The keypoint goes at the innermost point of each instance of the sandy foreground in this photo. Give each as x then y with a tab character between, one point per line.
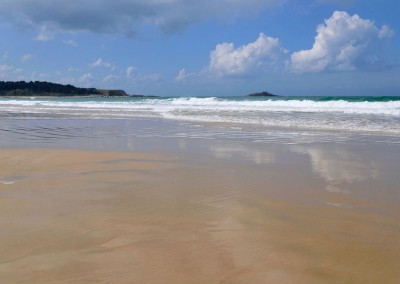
70	216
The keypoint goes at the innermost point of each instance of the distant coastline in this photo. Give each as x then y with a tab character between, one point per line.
47	89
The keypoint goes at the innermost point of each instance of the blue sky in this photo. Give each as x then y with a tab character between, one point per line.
205	48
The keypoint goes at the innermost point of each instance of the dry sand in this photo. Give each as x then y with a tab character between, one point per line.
70	216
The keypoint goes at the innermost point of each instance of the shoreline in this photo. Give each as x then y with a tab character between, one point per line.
168	129
253	117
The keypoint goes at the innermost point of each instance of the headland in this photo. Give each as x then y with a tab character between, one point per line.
48	89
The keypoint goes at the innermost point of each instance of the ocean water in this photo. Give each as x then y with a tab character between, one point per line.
254	117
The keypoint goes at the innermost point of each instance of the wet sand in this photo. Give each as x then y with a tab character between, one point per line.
236	214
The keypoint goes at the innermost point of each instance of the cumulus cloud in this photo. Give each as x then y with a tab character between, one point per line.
46	33
343	43
86	78
262	54
101	63
123	16
110	78
9	72
131	72
182	75
4	70
26	57
36	76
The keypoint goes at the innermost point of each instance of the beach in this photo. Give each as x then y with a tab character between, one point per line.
200	142
111	207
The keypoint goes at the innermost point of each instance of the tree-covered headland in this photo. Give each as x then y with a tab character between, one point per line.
37	88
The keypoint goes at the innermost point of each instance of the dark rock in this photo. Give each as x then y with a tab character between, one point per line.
142	96
262	94
114	93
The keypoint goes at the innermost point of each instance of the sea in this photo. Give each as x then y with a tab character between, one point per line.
259	119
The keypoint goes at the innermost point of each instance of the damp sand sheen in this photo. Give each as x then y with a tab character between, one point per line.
74	216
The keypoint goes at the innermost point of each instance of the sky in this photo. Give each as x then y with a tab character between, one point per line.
205	48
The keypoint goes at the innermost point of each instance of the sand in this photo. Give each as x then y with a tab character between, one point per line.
74	216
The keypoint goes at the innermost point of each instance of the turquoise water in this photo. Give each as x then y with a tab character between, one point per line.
277	98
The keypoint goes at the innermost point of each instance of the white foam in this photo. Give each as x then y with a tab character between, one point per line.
216	104
7	182
302	113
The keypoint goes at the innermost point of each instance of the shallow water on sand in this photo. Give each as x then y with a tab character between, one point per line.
125	134
122	201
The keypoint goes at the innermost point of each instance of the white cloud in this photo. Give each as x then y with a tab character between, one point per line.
70	42
9	72
97	63
100	63
133	75
131	72
123	16
110	78
343	43
78	76
5	70
385	32
256	56
86	78
46	33
36	76
182	75
26	57
4	55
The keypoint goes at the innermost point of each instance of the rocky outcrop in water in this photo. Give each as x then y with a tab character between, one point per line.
262	94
